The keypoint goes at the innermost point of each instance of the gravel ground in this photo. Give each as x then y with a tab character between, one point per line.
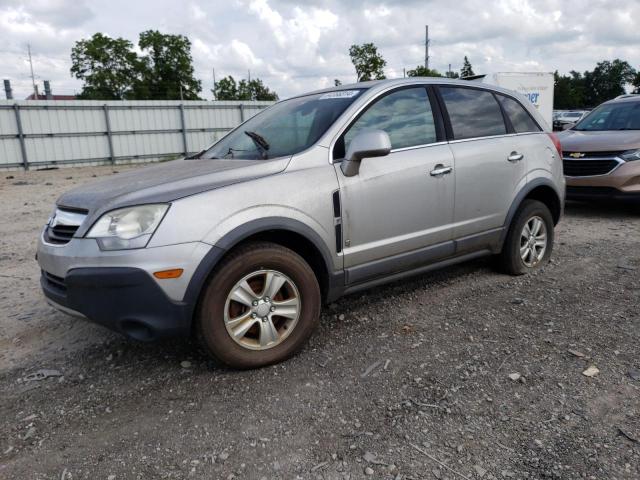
464	373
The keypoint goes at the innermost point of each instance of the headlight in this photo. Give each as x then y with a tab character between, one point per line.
127	228
631	155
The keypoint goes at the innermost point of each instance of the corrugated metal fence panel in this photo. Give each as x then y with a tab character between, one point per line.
61	132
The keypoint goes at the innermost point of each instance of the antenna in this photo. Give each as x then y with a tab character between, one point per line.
426	47
33	77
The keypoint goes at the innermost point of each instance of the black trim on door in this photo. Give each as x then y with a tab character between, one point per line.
337	220
443	112
438	116
505	118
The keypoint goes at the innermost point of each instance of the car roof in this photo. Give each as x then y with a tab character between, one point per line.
629	97
383	84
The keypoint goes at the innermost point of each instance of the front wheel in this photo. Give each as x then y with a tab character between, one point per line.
529	241
260	307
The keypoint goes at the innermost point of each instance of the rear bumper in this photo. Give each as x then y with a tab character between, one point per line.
123	299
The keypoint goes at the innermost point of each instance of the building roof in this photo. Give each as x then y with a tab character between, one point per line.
53	97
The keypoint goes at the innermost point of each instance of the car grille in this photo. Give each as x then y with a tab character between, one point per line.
54	281
592	154
63	225
588	168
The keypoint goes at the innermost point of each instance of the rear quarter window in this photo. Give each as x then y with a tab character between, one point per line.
472	112
519	117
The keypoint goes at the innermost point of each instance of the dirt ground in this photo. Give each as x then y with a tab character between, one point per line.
464	373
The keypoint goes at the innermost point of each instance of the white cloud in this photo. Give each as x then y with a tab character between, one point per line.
296	46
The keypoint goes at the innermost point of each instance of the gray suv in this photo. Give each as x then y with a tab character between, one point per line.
318	196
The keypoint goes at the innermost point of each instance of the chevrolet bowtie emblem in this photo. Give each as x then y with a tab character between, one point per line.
576	155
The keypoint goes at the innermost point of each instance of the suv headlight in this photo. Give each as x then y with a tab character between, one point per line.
127	228
631	155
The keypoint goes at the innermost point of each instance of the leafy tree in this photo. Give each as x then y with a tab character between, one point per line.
636	83
568	91
228	89
607	81
591	88
451	74
336	82
422	71
466	70
166	68
368	63
108	67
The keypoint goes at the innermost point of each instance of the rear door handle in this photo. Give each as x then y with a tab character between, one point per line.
440	170
515	157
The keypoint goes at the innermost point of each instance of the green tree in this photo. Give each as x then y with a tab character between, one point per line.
422	71
336	82
568	91
607	81
228	89
368	63
451	74
636	83
466	70
166	68
107	66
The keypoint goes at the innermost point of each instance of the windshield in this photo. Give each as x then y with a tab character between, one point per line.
286	128
612	116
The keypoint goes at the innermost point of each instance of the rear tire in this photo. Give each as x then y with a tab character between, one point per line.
260	306
529	241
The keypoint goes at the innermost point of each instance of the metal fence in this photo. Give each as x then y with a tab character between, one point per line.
44	133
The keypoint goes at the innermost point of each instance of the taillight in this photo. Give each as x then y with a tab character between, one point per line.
556	142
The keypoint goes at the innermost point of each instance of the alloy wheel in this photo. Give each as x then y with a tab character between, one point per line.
262	309
533	241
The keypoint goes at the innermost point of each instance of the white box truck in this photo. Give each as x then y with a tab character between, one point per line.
536	86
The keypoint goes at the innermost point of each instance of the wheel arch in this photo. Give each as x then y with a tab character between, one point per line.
289	233
541	189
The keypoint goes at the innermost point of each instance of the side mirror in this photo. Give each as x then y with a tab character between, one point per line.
366	144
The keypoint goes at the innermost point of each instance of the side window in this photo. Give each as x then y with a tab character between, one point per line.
404	114
520	118
473	113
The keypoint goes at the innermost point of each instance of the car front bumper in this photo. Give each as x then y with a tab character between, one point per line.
117	289
622	183
123	299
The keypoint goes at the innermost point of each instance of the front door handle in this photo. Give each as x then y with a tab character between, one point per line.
515	157
440	170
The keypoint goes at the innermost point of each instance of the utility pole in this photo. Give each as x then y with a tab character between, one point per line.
249	72
213	70
426	47
33	77
449	71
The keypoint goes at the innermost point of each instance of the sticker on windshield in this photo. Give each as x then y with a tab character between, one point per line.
340	94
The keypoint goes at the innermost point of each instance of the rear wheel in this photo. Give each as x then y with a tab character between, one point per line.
260	307
529	241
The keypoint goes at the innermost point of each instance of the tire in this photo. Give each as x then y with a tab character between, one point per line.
510	260
235	302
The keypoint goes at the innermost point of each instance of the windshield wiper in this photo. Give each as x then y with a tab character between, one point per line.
195	155
260	142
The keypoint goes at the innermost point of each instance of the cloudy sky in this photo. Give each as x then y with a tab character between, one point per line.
295	46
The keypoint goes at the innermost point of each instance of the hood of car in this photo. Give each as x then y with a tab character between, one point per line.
599	141
166	182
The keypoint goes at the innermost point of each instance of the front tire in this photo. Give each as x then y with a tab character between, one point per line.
529	241
259	308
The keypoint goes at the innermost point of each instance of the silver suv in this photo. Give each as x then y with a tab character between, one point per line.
318	196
